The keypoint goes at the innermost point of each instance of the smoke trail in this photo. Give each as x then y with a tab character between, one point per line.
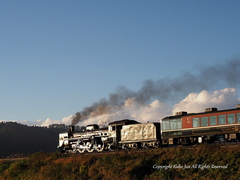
167	89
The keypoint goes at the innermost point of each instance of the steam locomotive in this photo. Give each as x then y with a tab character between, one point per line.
183	128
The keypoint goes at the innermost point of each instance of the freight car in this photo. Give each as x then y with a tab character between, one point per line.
181	129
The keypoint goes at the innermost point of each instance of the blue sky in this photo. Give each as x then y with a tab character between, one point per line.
57	57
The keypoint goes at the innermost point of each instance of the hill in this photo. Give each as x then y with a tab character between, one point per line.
197	163
19	139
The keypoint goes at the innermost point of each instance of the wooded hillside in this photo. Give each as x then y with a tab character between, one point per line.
19	139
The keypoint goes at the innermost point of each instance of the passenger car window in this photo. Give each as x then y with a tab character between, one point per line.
221	119
196	122
231	118
204	121
213	120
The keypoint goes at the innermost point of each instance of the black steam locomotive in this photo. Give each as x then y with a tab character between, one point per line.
209	126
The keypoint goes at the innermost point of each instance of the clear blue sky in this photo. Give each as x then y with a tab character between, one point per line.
56	57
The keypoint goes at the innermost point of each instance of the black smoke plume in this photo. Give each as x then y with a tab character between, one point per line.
168	89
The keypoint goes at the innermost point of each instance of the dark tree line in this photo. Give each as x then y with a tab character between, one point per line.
16	139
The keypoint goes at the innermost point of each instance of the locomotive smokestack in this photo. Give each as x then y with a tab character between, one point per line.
71	129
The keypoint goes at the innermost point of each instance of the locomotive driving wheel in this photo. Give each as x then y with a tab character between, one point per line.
100	147
81	150
90	149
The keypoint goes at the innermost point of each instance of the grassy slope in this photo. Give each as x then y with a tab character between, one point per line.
129	165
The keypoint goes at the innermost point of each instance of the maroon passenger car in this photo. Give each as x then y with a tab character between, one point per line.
210	126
